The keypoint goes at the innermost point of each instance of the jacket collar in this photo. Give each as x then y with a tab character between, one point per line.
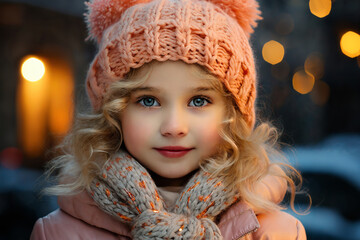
235	222
238	221
83	207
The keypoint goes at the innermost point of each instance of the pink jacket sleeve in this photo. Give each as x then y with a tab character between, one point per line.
58	225
38	231
279	226
276	225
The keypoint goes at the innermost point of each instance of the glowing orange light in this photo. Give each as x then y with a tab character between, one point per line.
33	69
32	101
303	82
273	52
44	107
314	65
320	94
350	44
61	102
320	8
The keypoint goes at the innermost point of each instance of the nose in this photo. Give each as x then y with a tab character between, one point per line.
174	123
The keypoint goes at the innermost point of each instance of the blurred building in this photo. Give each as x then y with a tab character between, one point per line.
35	115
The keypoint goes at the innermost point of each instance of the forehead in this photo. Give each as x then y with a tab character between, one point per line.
177	74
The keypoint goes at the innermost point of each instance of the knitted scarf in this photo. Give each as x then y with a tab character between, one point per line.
126	190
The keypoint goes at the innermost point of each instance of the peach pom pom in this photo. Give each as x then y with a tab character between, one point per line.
246	12
103	13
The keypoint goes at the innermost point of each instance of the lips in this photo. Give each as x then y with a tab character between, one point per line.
173	151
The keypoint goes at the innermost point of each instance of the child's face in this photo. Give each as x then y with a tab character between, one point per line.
173	120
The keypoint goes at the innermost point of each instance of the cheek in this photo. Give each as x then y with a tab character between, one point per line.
208	135
136	133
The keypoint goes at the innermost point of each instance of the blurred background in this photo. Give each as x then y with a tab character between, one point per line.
307	54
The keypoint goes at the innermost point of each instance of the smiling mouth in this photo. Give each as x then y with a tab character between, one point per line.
173	151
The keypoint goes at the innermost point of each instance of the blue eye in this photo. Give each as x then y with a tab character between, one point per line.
148	102
199	102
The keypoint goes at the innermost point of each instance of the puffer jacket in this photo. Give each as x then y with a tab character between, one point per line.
79	218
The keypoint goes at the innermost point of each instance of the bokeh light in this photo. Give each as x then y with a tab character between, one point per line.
321	93
314	65
45	107
320	8
33	69
273	52
350	44
303	82
285	25
280	71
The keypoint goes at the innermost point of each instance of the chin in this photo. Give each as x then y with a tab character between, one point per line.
176	174
173	174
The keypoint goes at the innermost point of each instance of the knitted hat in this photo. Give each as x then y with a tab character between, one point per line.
211	33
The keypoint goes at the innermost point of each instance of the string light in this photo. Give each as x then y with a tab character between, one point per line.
320	8
350	44
33	69
273	52
303	82
45	102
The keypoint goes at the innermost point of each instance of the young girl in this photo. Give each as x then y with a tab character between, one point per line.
171	150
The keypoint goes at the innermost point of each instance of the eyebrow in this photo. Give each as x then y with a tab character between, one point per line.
153	89
204	89
148	89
